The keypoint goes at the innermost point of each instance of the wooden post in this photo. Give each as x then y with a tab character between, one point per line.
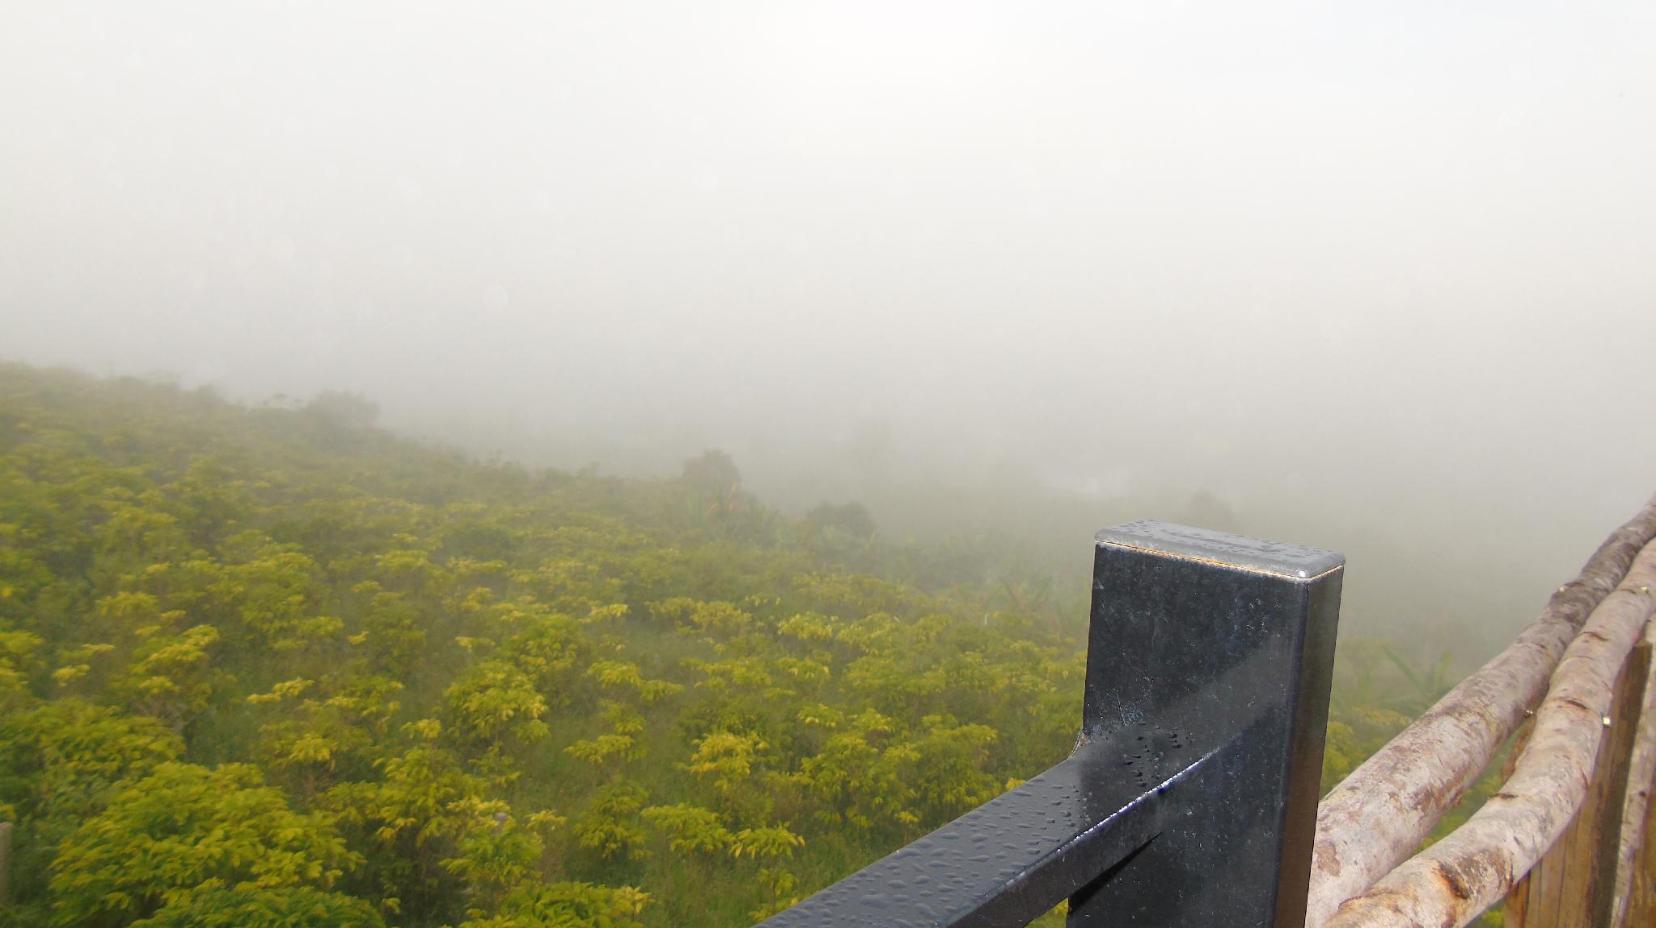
1641	901
1574	884
1636	832
5	864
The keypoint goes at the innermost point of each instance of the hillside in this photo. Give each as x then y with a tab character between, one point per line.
267	666
357	680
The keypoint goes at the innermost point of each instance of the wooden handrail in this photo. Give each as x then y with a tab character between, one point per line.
1454	880
1386	808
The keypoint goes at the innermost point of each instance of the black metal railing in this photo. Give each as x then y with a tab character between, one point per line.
1191	796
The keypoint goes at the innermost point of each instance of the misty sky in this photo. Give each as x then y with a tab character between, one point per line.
1393	261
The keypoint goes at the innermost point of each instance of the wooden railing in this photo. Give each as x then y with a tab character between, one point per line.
1563	842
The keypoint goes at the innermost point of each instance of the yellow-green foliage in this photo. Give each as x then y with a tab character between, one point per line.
374	682
274	667
183	829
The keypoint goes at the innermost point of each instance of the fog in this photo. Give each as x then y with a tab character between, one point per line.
1376	277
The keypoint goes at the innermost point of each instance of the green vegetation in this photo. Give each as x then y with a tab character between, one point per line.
273	666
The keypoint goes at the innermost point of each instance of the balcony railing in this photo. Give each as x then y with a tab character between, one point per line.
1191	796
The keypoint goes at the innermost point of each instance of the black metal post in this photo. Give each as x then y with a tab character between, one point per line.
1191	796
1227	642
